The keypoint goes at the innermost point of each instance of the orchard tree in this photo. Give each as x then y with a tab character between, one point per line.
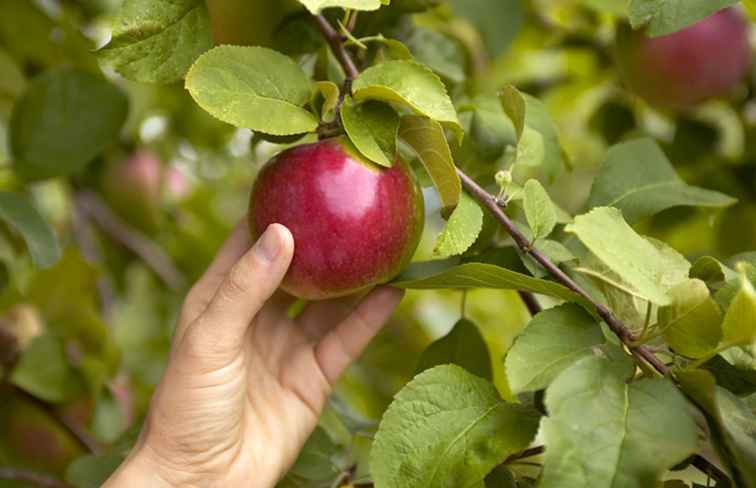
565	187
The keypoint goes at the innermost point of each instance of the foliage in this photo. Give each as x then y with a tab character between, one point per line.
581	311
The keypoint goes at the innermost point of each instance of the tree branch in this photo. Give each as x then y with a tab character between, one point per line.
135	241
527	453
337	46
39	479
531	302
90	249
493	204
85	440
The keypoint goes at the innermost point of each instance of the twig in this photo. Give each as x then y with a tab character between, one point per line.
92	252
85	440
39	479
494	205
623	333
337	46
135	241
527	453
708	468
530	302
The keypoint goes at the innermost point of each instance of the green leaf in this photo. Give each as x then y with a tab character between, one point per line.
316	460
692	322
490	132
638	179
39	236
531	150
514	106
330	94
730	421
372	127
667	16
44	371
446	429
253	87
538	119
441	53
91	471
750	6
604	433
427	138
63	121
156	41
464	346
539	210
434	275
12	80
739	326
410	84
316	6
648	269
553	340
498	21
712	271
462	229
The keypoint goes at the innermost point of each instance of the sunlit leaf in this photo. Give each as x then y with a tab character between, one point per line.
427	138
462	229
692	323
156	41
649	269
253	87
668	16
410	84
372	127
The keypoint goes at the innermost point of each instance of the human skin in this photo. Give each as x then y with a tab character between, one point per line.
357	224
677	71
245	384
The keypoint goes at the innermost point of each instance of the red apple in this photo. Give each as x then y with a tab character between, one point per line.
134	188
355	224
705	60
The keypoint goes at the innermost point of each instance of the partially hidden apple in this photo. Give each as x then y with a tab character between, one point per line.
680	70
133	186
355	224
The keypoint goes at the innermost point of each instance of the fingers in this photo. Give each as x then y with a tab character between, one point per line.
343	345
202	292
246	287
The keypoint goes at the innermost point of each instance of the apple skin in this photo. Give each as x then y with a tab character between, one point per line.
355	224
680	70
133	187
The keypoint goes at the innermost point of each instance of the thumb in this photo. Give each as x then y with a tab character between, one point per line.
219	331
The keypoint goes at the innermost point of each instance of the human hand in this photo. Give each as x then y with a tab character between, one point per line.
245	384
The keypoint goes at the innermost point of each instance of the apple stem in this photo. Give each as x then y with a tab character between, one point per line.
494	205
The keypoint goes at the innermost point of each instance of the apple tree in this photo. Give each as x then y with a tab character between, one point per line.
566	188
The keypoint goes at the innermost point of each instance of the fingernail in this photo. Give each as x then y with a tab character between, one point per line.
269	245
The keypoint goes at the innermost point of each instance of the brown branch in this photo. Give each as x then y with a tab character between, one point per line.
527	453
337	46
132	239
82	437
39	479
90	249
703	465
493	204
531	302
